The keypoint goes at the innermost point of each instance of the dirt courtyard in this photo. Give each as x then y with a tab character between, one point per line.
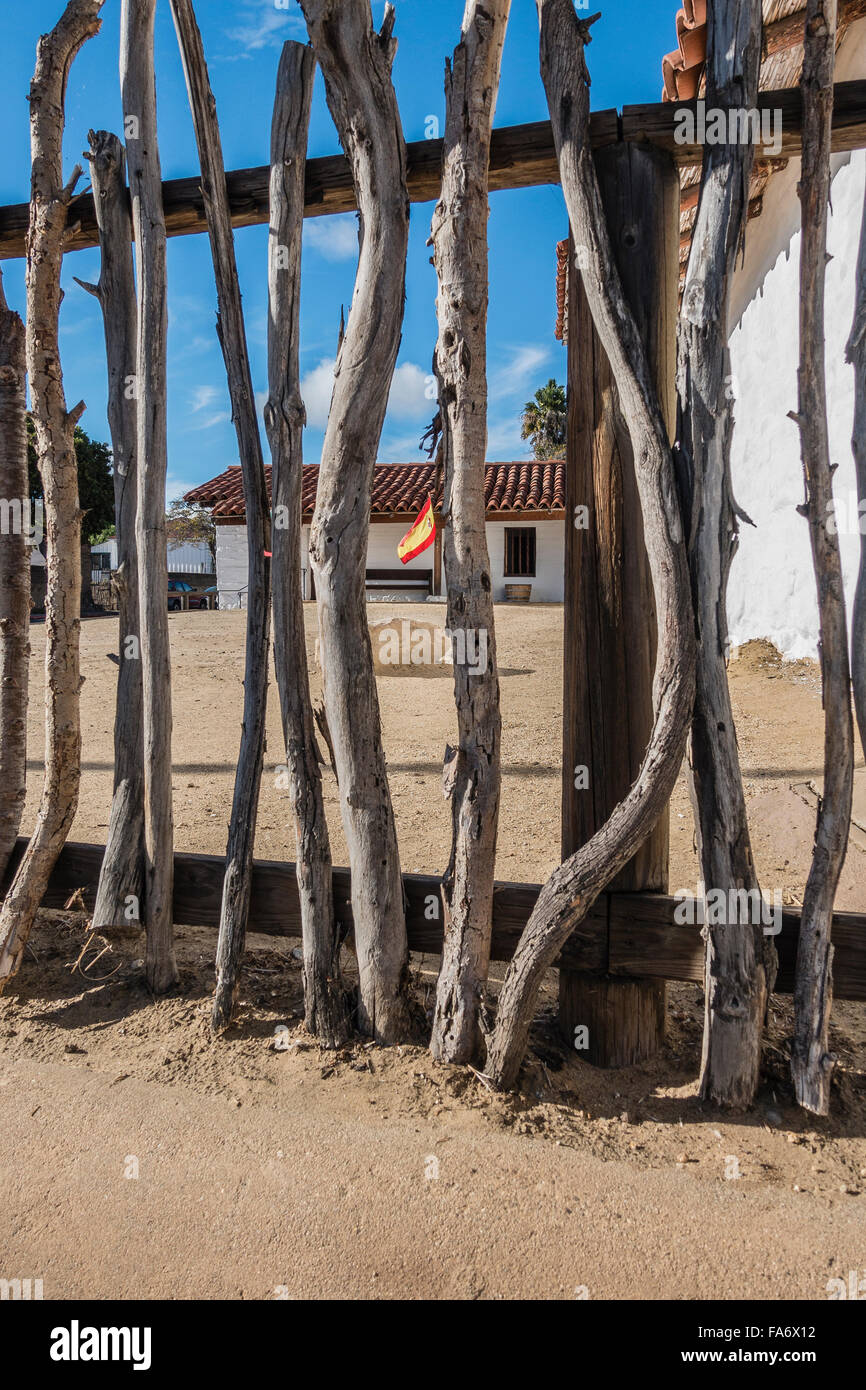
777	707
141	1159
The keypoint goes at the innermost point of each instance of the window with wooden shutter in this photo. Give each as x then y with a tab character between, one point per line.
519	552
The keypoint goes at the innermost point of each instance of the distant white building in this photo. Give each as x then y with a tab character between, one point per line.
525	530
193	557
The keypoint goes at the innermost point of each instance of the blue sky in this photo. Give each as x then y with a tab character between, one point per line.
242	41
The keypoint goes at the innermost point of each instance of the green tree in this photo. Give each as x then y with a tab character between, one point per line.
544	421
185	523
95	481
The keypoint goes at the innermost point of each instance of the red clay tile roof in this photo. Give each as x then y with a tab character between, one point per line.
683	69
683	73
401	489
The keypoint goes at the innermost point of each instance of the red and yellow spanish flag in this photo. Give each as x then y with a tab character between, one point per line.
422	534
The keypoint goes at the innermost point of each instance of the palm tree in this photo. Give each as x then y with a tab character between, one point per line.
544	421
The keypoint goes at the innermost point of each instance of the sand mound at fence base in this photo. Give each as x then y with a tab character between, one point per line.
406	647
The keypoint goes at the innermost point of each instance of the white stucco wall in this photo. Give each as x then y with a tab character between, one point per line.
547	585
772	586
385	536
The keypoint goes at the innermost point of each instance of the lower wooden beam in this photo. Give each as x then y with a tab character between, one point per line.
631	935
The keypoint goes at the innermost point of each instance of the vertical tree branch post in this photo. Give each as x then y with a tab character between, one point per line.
811	1061
856	355
138	91
460	362
55	446
237	887
736	976
573	887
356	64
324	998
15	546
119	893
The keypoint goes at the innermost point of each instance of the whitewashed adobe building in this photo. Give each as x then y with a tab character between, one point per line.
525	530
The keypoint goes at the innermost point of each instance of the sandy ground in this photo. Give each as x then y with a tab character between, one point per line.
777	707
141	1159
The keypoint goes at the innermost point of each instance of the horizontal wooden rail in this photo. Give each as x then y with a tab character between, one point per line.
657	125
520	157
629	934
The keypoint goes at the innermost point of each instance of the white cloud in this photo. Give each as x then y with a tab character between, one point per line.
408	399
202	397
316	388
265	23
199	344
514	376
335	238
402	448
504	444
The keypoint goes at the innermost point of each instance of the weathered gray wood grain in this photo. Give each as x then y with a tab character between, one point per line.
572	888
118	902
811	1060
233	341
460	362
325	1002
356	64
55	448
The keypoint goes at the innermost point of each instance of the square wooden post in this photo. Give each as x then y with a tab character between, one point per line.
610	621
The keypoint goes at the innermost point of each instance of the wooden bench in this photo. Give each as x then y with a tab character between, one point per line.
383	580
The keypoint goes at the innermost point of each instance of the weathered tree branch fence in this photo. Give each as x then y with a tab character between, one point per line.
459	239
232	336
571	890
625	936
811	1061
736	984
14	581
356	64
138	92
118	902
520	157
654	562
326	1007
55	433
